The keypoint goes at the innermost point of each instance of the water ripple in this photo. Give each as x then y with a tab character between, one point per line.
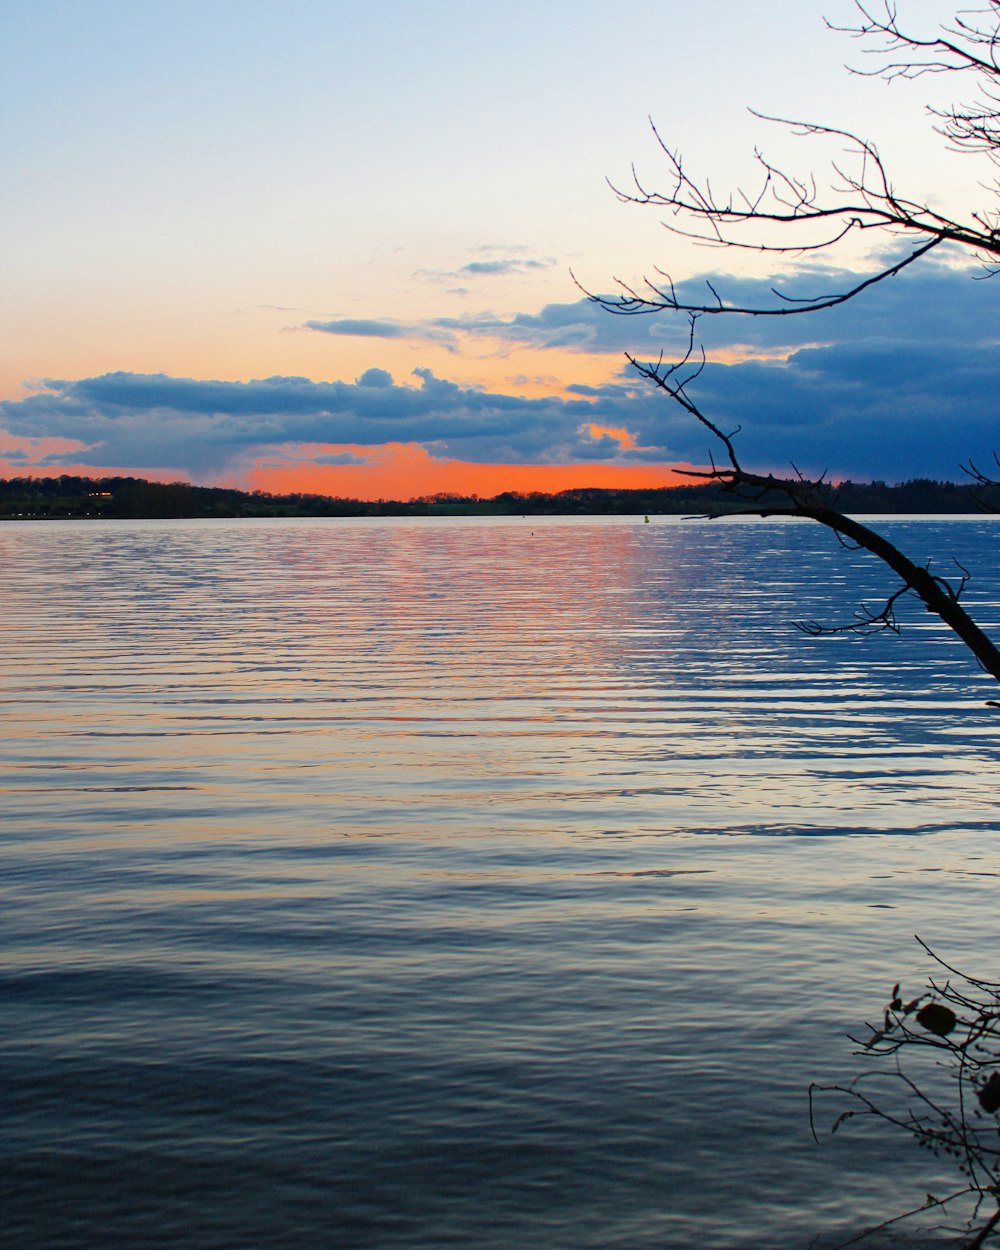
408	883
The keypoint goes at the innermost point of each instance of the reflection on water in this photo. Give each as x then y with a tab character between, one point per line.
476	883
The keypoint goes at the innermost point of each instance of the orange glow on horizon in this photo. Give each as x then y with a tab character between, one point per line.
406	471
399	471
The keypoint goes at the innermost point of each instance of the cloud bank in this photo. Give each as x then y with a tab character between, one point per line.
903	382
184	423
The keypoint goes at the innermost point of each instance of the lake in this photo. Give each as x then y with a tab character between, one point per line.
486	882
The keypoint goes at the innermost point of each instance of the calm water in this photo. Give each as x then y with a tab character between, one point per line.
469	883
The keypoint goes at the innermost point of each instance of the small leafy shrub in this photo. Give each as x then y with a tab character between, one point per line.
935	1075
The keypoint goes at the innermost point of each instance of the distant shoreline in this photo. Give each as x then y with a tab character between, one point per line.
73	497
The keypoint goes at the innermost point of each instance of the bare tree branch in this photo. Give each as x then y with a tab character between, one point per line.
787	214
942	1086
768	495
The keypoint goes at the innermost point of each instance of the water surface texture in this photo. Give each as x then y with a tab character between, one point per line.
478	883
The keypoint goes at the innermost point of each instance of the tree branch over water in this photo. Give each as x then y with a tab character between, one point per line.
787	214
767	495
933	1071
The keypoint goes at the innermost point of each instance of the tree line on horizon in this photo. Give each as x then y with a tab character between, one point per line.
72	496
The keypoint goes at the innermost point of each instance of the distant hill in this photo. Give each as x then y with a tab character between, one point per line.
130	497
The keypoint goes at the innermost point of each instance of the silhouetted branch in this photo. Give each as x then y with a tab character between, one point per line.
787	214
982	479
951	1105
865	621
768	495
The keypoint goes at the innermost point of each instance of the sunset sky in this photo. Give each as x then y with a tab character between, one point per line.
328	246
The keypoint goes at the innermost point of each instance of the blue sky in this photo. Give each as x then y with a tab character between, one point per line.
243	242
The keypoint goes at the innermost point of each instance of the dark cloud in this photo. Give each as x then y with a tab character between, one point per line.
146	420
334	458
580	326
892	411
903	382
377	378
344	457
593	392
938	303
383	328
510	262
361	328
493	268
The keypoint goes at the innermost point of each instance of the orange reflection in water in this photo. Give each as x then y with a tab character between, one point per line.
529	606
